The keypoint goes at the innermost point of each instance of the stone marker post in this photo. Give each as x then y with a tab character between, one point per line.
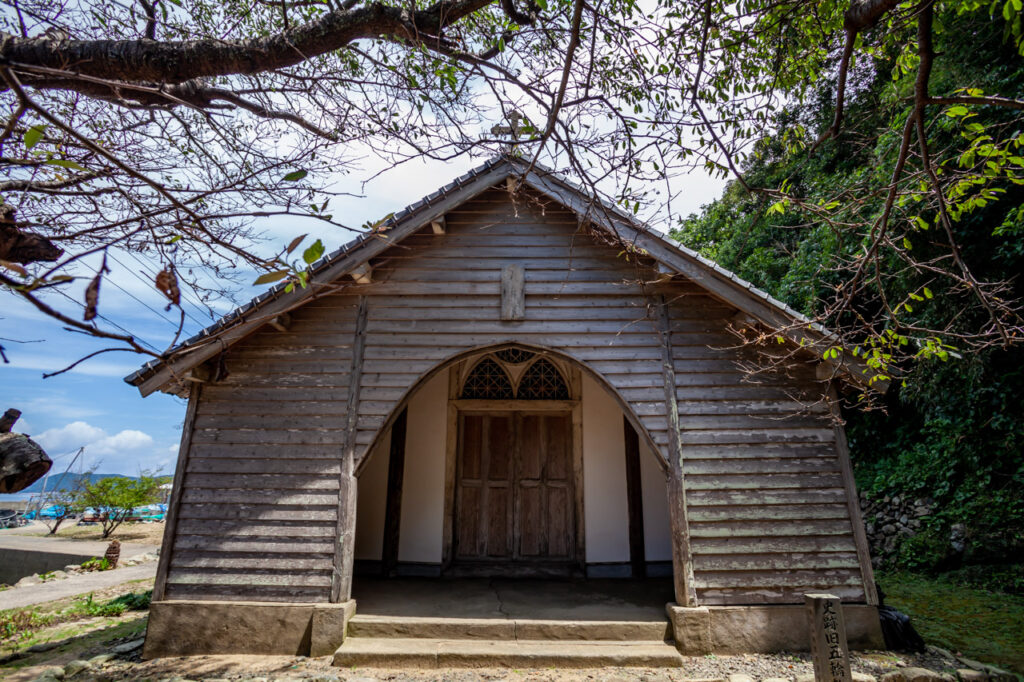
828	638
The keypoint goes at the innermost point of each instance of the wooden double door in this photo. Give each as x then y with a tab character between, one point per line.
515	507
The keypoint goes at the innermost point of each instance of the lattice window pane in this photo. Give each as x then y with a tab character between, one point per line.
487	381
514	356
542	381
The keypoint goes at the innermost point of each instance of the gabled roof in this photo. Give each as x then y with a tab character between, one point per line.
673	257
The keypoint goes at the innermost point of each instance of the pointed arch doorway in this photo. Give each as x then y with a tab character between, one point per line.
515	493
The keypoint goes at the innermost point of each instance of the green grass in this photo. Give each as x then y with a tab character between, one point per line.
983	625
17	625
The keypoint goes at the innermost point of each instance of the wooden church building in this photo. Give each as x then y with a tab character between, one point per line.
510	378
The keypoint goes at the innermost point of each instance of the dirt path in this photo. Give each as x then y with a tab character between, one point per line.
75	585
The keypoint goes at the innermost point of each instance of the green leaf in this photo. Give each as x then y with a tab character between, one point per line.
313	253
65	163
295	175
33	135
271	277
956	110
907	245
927	292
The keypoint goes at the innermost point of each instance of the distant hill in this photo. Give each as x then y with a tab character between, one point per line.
67	481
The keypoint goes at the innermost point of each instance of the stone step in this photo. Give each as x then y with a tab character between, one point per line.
392	652
506	629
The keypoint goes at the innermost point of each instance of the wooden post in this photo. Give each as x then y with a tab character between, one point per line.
634	501
828	638
513	299
345	536
860	538
682	561
393	510
177	489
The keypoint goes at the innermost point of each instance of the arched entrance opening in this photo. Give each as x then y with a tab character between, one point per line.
515	462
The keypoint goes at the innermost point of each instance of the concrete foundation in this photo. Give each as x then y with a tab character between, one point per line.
192	628
763	629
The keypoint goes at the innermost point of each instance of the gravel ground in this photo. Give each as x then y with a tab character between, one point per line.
128	666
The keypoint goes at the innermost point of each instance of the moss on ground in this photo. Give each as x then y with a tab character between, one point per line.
983	625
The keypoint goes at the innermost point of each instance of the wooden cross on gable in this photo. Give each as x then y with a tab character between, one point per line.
517	123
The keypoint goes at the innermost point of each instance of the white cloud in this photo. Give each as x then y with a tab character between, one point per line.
124	452
127	440
70	437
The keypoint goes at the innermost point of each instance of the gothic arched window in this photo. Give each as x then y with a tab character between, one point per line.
487	381
542	381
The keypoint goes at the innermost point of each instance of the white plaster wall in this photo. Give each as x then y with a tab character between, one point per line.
605	510
422	524
371	503
657	532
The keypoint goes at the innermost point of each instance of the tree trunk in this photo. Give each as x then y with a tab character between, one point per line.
22	462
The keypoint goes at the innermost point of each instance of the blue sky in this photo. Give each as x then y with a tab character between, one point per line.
92	407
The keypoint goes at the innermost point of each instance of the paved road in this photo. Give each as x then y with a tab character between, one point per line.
77	584
37	543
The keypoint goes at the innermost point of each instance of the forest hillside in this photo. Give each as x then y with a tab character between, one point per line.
949	439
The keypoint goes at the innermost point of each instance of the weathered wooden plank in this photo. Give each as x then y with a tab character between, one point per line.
764	497
257	497
792	465
270	434
766	512
261	481
187	576
345	529
852	502
682	561
260	546
178	486
261	419
750	436
257	512
241	381
769	528
290	465
532	276
760	451
251	527
775	562
791	578
251	562
262	593
773	545
744	481
446	328
494	288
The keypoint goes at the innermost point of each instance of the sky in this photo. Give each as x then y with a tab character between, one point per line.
91	407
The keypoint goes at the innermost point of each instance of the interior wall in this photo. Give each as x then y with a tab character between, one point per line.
422	523
371	502
657	528
605	511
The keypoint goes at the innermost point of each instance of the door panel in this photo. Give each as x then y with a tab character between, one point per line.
514	489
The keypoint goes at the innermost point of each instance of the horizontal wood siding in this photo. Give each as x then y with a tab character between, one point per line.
767	508
259	505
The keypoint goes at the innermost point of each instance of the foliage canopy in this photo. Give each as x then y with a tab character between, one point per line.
165	129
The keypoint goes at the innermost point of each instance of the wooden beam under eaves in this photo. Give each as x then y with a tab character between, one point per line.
281	322
362	274
439	226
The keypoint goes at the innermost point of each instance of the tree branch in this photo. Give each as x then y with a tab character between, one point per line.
152	61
